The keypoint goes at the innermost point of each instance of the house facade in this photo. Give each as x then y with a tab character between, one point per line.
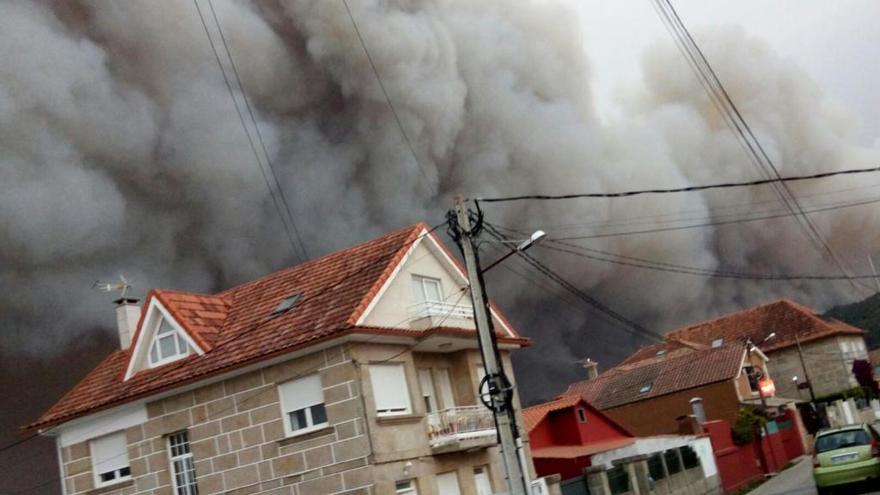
828	346
353	373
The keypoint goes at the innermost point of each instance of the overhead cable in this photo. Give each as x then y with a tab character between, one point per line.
637	192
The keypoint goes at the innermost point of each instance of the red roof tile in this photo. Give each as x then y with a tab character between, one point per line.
624	384
535	414
784	317
234	329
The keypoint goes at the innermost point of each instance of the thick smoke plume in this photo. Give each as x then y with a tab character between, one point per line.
122	153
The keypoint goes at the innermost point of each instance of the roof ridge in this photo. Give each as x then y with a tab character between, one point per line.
231	290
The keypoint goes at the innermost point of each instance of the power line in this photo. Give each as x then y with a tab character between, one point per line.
262	142
626	323
280	203
703	272
724	185
782	190
715	224
388	100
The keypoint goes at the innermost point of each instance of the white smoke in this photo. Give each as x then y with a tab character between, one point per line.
122	152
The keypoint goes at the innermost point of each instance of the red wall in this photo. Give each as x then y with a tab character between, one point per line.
563	428
740	464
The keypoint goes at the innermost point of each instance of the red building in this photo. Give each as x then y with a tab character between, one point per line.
566	432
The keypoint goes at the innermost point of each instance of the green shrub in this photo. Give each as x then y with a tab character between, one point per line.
747	420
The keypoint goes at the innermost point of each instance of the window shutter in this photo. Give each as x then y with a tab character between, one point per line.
109	453
389	388
304	392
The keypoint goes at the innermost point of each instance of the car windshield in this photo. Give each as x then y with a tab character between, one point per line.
841	439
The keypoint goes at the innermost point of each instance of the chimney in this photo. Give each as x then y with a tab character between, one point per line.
128	312
592	368
697	408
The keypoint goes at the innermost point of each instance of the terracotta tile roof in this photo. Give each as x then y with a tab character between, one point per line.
575	451
661	350
625	384
535	414
235	330
785	317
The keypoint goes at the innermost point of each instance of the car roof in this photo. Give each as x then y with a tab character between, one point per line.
860	426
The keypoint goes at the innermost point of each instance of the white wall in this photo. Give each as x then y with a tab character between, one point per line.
101	423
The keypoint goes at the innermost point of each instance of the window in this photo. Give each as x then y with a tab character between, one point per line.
445	385
302	405
718	342
618	480
168	345
672	462
655	467
427	289
646	388
110	459
661	352
753	376
582	415
427	386
285	304
389	389
407	487
689	457
183	470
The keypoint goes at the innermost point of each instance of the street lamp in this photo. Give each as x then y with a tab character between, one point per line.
535	238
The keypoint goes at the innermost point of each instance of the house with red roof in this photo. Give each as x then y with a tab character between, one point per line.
649	396
786	330
570	438
355	372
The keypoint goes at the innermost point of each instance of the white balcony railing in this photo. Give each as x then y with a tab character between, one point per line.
457	424
441	310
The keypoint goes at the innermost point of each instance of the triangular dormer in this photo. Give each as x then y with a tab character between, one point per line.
160	340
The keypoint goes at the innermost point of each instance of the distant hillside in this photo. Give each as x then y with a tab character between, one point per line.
863	314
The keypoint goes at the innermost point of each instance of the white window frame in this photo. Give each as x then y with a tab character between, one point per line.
191	486
118	476
178	340
306	406
422	296
406	487
717	342
408	399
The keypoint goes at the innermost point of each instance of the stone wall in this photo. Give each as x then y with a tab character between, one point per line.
828	366
238	440
239	445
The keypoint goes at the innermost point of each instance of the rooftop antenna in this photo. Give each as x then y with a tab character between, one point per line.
123	286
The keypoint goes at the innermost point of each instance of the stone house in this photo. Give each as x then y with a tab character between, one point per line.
353	373
829	346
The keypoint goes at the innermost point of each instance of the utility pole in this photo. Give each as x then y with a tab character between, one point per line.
804	367
500	390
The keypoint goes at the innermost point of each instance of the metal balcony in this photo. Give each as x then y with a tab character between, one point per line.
461	428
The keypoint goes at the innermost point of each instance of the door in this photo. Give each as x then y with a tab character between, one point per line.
481	480
445	385
447	484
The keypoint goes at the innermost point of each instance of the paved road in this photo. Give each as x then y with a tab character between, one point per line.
796	480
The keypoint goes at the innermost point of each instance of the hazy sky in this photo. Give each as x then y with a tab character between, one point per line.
837	43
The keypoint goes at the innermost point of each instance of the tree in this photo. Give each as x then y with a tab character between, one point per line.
865	376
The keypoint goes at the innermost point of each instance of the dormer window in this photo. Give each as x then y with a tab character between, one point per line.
646	388
718	342
168	345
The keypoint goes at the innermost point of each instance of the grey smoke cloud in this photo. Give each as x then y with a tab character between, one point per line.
121	153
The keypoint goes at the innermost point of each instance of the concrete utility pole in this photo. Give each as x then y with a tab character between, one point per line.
499	387
804	368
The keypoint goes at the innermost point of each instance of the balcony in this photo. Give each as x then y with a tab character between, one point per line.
461	428
430	314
